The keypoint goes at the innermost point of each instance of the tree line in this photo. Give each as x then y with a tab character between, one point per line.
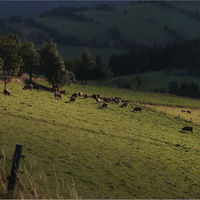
185	89
169	56
17	58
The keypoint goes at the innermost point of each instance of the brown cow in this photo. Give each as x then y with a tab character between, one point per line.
73	99
116	100
30	86
105	105
86	96
105	99
110	99
37	87
137	109
74	95
187	128
62	92
124	104
80	94
58	95
95	96
7	92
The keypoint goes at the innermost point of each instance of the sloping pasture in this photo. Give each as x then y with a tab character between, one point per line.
108	152
156	80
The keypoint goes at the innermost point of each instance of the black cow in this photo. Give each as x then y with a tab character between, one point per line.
187	128
62	92
86	96
105	105
73	99
37	87
137	109
74	95
30	86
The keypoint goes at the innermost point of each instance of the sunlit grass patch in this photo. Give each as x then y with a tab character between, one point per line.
108	152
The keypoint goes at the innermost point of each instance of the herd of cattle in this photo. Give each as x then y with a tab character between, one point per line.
58	93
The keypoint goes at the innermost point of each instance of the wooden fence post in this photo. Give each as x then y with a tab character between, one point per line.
15	166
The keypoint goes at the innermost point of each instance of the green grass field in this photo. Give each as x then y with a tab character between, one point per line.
106	152
156	80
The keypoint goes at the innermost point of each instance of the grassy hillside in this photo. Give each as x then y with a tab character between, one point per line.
135	25
108	153
187	5
142	23
155	80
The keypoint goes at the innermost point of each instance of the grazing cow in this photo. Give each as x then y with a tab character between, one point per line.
58	95
116	100
110	99
124	104
37	87
30	86
105	99
7	92
62	92
80	94
137	109
105	105
55	90
95	96
187	128
188	111
73	99
98	100
74	95
183	110
86	96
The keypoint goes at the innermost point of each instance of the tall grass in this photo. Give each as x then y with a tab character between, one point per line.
32	183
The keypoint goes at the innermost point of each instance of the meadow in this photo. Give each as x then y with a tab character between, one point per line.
81	150
155	80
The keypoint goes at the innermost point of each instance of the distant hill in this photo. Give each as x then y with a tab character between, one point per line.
107	32
35	8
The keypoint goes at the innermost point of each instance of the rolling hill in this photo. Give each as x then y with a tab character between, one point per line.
140	23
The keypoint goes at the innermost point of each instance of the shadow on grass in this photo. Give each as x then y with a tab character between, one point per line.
41	86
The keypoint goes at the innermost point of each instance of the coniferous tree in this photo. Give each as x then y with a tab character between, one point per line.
30	58
10	46
52	65
101	71
85	67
